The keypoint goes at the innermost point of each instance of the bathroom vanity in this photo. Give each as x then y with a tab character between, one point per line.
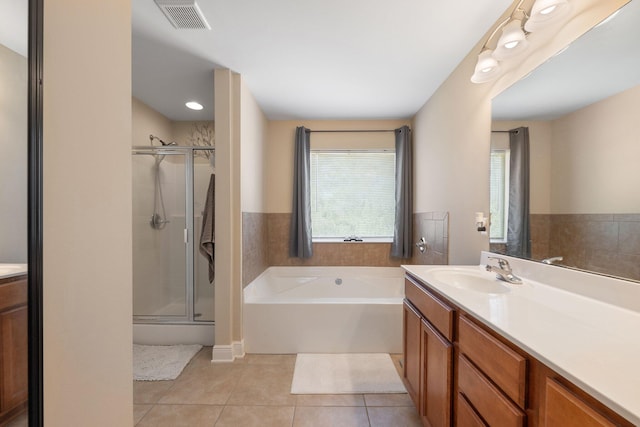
481	352
13	345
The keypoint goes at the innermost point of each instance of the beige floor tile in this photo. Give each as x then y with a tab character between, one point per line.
140	411
394	417
210	385
329	400
264	385
150	391
181	416
397	399
271	359
258	416
309	416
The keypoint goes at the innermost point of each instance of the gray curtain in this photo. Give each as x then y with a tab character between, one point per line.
518	232
402	231
300	233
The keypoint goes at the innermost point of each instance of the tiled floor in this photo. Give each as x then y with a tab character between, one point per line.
254	391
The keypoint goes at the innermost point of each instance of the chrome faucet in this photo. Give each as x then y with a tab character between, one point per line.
503	271
551	260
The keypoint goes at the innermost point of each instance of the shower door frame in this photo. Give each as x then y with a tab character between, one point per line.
189	153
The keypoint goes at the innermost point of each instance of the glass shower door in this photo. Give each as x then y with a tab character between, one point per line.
203	301
159	236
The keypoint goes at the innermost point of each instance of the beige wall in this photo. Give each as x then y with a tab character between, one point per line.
13	156
595	167
540	159
281	135
87	213
452	132
228	213
147	121
253	134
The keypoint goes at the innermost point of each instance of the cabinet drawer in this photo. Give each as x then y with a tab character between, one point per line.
488	401
466	415
439	314
506	368
564	409
13	294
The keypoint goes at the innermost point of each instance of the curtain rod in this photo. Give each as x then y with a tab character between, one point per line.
347	131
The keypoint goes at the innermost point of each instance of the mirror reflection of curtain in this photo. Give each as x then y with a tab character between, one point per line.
518	231
402	230
300	244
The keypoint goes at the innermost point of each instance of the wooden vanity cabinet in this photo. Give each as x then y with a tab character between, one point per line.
491	375
13	347
564	409
460	372
428	355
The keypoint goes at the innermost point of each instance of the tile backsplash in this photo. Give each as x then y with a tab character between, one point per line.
604	243
265	242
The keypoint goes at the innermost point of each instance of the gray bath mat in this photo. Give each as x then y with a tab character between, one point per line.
161	362
345	374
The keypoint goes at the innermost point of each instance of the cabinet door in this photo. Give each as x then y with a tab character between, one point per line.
13	327
411	348
564	409
437	364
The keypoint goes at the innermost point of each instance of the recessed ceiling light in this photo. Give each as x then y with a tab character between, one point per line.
194	105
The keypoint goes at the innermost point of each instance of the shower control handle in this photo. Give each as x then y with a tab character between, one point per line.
422	245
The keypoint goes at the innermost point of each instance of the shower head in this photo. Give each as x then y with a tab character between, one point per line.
164	144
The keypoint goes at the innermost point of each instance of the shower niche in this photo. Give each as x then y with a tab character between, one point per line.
171	283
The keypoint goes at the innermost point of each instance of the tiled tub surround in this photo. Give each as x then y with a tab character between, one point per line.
265	238
581	325
604	243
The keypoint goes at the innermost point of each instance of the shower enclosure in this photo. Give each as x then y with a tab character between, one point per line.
171	284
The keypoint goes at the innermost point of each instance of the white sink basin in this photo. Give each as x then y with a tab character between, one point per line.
469	279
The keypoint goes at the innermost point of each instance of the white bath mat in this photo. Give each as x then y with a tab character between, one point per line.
345	374
161	362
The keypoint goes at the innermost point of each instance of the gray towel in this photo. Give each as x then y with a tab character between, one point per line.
207	236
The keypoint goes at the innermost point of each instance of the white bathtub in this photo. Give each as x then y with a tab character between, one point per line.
324	310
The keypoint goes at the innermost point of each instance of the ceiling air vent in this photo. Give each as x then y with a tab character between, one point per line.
183	14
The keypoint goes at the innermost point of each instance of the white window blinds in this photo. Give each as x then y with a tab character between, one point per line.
352	193
499	193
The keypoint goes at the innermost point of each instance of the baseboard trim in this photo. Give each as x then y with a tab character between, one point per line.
227	353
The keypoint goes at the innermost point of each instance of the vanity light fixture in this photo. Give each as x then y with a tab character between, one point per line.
513	39
194	105
487	68
512	42
546	12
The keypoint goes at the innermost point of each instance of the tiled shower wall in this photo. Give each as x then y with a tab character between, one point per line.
605	243
265	242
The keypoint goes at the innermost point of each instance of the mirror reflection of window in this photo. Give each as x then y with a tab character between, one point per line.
499	193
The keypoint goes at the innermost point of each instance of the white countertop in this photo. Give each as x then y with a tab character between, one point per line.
592	343
11	270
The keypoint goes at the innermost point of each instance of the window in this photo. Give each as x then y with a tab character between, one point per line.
499	193
352	193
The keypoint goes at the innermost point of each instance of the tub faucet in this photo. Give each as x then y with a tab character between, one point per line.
503	271
552	260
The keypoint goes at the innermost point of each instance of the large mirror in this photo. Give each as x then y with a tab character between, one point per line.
21	58
582	109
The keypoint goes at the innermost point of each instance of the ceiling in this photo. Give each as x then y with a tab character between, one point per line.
14	22
310	59
601	63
